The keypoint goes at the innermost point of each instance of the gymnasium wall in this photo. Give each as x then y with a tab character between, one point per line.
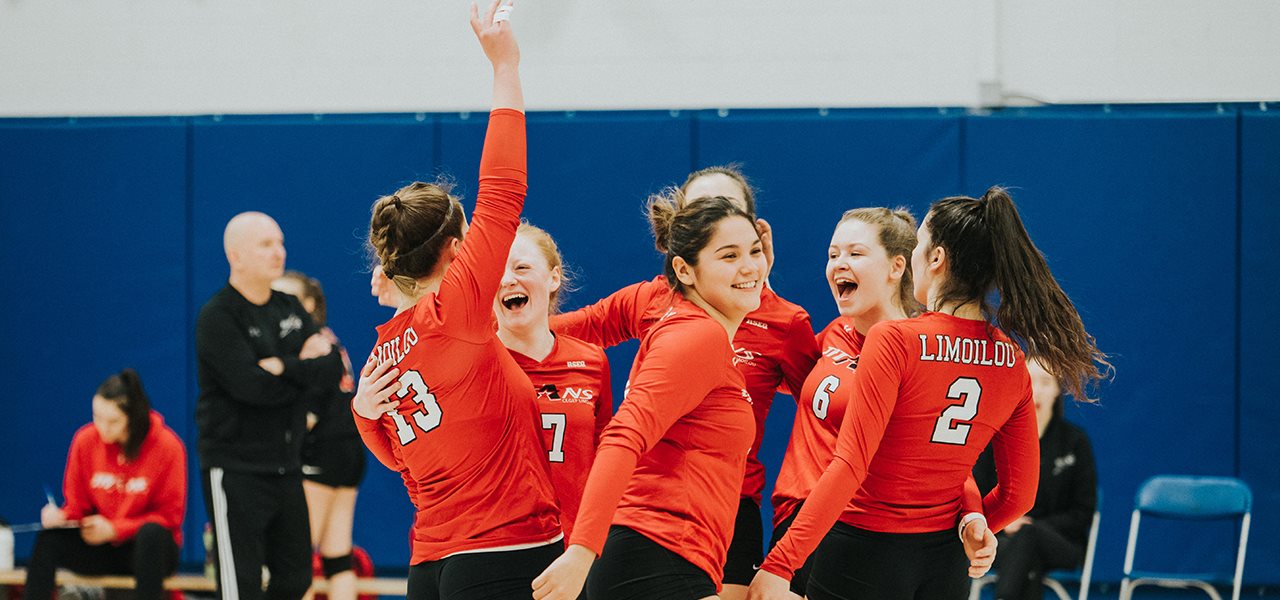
1160	222
165	57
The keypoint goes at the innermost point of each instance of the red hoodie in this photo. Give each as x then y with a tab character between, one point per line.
152	488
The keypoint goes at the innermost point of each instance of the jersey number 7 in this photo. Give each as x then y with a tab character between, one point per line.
948	429
426	418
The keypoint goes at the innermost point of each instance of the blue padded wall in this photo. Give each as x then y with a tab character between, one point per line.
1258	412
1136	214
317	178
93	222
1139	210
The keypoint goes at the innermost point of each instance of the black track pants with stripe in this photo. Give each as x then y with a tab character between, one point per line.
258	520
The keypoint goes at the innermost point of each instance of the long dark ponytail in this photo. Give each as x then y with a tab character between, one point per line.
988	250
124	389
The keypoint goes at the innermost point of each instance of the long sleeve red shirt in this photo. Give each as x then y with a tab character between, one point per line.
932	392
670	462
466	436
152	488
575	403
774	347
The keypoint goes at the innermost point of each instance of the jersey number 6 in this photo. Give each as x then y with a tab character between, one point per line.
948	430
822	396
426	418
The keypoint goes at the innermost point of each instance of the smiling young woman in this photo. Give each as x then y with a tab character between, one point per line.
569	376
662	496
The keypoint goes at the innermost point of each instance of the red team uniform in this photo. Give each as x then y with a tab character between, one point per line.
774	346
671	460
820	409
931	393
465	435
576	403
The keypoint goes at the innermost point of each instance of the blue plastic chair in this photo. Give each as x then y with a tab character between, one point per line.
1189	498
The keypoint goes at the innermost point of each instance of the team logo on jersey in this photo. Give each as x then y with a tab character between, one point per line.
568	395
747	396
290	325
756	323
109	481
742	355
255	332
840	357
670	312
577	364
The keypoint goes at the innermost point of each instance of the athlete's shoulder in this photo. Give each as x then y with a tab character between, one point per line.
841	333
778	311
86	436
572	348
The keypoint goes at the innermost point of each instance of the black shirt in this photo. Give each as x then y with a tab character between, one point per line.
249	419
1068	492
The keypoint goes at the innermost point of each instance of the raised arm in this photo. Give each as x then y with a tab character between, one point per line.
499	43
472	280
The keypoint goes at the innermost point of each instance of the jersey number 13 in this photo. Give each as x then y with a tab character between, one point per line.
425	418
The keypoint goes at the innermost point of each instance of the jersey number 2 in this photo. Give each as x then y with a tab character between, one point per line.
948	429
425	418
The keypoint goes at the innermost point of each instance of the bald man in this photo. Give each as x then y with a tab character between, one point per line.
258	353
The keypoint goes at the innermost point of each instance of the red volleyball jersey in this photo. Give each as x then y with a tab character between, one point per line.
931	393
465	435
152	488
670	462
820	409
575	402
774	347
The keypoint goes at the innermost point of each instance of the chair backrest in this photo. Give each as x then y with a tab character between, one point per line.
1186	497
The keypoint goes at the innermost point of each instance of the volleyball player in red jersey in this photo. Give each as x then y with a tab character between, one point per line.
869	272
569	376
669	467
932	392
775	348
461	423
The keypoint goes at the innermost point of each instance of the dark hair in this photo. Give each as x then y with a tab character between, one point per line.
124	389
409	228
988	250
311	290
685	231
732	171
898	238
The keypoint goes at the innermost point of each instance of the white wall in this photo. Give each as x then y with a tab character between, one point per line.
160	57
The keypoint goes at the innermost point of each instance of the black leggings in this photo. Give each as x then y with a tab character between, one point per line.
634	567
150	556
854	563
499	575
800	581
1024	557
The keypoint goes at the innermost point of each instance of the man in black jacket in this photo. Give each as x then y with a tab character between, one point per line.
258	352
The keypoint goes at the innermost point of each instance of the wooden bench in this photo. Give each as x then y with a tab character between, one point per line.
379	586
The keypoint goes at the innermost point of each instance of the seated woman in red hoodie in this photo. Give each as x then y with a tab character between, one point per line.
126	487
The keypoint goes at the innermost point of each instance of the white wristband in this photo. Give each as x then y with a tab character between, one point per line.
965	520
502	14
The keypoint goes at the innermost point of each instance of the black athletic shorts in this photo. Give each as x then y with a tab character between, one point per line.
634	567
747	547
800	582
335	462
498	575
856	563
